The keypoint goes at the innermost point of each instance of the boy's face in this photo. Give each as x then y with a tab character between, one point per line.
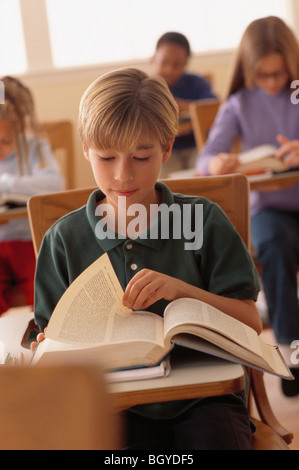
169	62
7	139
131	175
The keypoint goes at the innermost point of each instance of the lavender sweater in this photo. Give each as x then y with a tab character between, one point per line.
257	118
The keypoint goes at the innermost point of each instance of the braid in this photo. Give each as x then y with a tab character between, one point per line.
19	108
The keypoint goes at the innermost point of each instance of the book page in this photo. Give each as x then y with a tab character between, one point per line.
275	359
13	201
142	373
260	157
91	311
195	312
257	153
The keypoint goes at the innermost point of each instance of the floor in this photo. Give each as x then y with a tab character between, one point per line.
286	409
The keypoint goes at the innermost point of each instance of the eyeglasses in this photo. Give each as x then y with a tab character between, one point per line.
279	75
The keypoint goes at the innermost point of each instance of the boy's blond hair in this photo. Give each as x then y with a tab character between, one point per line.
262	37
120	106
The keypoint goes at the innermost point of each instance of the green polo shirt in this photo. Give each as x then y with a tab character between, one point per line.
220	264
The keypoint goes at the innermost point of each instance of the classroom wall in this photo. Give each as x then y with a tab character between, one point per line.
57	93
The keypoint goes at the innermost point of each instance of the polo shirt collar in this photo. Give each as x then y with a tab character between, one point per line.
108	243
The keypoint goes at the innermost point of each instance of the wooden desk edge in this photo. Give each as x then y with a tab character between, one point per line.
123	400
10	214
276	182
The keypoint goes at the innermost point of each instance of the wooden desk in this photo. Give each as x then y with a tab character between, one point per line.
275	182
195	377
9	214
257	183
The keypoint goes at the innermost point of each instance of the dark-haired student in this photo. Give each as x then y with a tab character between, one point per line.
170	60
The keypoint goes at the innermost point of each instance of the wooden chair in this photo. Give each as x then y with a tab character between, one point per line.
56	408
231	192
60	135
203	114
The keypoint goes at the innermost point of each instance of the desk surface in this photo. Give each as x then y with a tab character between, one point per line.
274	182
257	183
196	377
184	128
9	214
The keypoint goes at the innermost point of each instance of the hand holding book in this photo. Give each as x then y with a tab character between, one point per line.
258	159
147	287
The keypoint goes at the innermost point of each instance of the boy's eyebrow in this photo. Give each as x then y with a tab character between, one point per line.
144	147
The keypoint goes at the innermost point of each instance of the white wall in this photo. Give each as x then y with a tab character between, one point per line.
57	93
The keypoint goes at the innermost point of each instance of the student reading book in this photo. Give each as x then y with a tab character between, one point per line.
27	167
170	61
116	341
127	124
259	109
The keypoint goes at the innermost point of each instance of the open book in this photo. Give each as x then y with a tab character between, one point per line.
13	201
261	157
91	322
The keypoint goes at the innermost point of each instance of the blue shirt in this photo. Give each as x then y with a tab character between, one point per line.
36	179
190	87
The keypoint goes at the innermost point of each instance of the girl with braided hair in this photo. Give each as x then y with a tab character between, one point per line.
27	167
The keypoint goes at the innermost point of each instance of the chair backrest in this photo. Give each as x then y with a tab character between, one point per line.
56	408
60	135
229	191
203	114
45	209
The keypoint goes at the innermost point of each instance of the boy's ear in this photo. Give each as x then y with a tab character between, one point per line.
86	153
167	150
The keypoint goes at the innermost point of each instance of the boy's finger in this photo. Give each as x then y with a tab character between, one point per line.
40	337
33	346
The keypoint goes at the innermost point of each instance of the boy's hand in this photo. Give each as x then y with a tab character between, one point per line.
224	163
147	287
40	337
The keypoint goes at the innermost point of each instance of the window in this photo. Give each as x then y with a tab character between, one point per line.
91	31
87	32
12	48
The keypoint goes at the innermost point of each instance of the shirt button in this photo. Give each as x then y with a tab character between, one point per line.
129	246
134	267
